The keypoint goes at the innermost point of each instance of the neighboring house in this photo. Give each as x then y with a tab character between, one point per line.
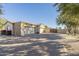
53	30
43	28
6	27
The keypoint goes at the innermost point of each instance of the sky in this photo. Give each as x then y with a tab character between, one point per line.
35	13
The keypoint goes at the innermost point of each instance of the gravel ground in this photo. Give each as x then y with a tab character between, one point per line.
39	45
71	43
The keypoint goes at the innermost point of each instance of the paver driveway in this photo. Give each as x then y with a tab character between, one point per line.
32	45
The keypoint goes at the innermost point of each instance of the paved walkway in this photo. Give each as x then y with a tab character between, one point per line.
33	45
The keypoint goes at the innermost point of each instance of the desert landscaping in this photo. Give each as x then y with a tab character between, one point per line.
39	45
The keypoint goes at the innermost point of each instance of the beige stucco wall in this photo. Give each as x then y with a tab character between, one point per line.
26	29
17	29
42	28
23	29
8	26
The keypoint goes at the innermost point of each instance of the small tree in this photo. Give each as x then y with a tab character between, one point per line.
68	16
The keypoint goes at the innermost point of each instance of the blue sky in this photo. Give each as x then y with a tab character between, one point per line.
30	12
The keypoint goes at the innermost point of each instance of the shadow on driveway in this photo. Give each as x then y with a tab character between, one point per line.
34	49
37	48
53	36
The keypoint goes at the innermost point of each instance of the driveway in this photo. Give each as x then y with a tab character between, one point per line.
33	45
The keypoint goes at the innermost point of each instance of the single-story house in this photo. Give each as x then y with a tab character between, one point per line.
21	28
53	30
43	28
